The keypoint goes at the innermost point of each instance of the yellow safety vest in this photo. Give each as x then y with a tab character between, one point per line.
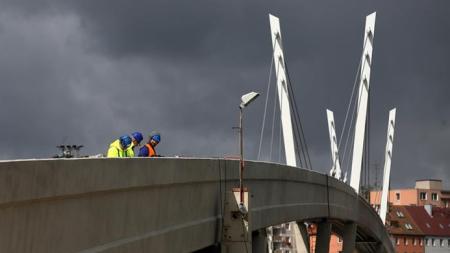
130	150
115	150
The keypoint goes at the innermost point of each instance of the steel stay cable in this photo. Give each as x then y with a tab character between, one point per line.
265	106
297	119
280	125
353	92
273	125
357	79
273	118
299	139
298	123
265	109
296	145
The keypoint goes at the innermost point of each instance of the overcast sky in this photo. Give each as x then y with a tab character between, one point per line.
86	72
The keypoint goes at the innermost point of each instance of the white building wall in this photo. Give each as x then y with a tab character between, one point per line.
437	244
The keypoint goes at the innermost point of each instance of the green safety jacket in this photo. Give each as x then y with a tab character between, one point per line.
116	150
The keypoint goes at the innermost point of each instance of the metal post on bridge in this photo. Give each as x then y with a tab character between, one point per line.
323	237
349	237
236	234
259	241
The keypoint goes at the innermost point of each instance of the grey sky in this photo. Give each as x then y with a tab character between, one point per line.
89	71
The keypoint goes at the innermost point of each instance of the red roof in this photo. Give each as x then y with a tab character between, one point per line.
401	223
445	194
436	225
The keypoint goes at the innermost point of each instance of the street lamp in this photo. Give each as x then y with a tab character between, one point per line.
245	100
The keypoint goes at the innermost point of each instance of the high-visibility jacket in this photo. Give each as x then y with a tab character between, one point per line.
130	150
116	150
147	151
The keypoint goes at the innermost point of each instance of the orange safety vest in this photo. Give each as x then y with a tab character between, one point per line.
151	150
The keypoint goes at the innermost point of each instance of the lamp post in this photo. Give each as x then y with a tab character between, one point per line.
245	100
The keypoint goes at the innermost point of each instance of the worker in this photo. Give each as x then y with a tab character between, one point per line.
148	150
136	139
119	148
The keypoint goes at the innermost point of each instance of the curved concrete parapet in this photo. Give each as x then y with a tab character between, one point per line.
161	204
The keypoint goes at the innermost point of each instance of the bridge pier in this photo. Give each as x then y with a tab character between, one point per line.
323	237
237	235
302	240
349	237
259	241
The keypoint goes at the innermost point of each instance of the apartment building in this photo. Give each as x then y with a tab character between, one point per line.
434	222
405	233
425	192
281	238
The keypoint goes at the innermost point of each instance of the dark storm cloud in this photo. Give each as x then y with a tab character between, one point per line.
92	70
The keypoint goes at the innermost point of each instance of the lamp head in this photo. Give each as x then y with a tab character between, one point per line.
248	98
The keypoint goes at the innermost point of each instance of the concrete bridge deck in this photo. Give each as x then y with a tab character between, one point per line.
162	204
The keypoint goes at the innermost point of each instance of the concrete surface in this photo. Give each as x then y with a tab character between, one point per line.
161	204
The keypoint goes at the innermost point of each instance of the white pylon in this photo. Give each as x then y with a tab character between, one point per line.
285	108
283	96
387	165
335	165
361	112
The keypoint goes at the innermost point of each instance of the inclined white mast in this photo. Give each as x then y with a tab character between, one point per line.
387	165
361	112
285	108
283	96
335	165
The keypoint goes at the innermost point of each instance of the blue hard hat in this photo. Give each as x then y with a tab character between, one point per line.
137	136
125	141
156	137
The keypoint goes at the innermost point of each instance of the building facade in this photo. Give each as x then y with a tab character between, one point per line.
425	192
434	222
405	233
281	238
418	218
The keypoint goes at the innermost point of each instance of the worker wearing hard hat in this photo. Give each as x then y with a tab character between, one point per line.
136	139
120	147
148	150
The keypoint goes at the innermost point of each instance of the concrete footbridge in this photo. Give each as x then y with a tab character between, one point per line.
168	205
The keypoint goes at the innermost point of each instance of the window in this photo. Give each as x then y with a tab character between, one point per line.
414	241
287	226
408	226
442	242
397	241
448	243
433	242
427	242
395	223
397	196
441	226
428	225
434	196
406	241
423	196
421	242
400	214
